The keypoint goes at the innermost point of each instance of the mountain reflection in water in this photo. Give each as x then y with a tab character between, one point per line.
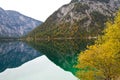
14	54
62	52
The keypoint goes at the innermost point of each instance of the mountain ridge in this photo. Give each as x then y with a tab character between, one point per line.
15	24
79	18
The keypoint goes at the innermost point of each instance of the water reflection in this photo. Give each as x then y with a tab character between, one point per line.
40	68
14	54
62	53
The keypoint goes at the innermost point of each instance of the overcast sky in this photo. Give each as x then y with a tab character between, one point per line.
37	9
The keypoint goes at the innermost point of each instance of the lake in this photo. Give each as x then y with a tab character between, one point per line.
41	60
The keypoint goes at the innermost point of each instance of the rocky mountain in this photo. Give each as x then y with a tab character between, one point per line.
14	24
14	54
78	18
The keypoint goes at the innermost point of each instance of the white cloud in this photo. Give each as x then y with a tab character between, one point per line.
38	9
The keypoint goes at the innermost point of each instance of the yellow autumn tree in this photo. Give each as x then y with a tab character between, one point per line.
101	61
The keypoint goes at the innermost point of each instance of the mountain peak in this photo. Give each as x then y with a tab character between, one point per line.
80	18
104	1
72	1
14	24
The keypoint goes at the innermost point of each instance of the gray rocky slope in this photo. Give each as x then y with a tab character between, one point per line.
14	24
78	18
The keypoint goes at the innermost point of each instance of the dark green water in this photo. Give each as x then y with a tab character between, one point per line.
43	60
63	53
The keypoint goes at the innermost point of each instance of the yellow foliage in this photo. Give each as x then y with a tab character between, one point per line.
87	75
103	56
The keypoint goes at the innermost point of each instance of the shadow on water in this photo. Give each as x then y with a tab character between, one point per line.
62	52
14	54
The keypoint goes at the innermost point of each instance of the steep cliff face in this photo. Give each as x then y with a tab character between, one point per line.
78	18
14	24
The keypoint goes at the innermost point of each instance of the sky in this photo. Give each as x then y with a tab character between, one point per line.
37	9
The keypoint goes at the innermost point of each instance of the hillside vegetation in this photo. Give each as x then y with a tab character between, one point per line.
101	61
80	18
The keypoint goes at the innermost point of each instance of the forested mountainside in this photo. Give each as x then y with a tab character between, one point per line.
77	19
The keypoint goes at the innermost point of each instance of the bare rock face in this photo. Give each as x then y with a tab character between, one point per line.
83	8
79	18
72	1
14	24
